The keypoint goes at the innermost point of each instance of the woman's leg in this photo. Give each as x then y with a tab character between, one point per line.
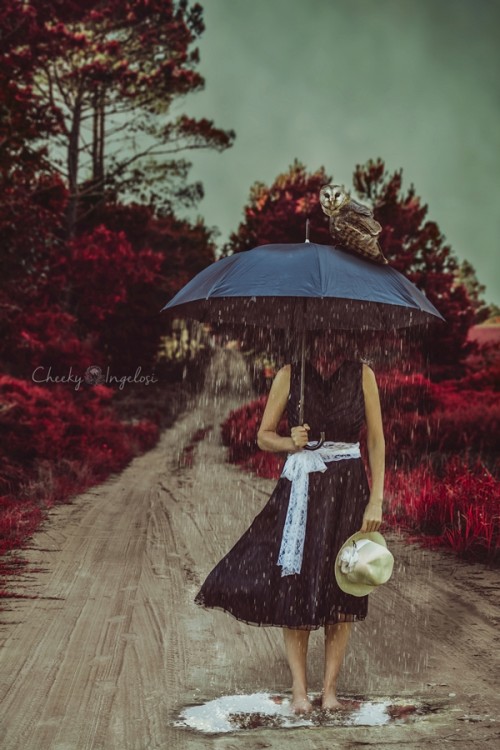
296	643
336	638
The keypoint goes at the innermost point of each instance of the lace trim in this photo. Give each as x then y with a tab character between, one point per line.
297	468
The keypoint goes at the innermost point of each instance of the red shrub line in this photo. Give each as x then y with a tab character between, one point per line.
17	522
456	503
460	509
419	418
424	417
239	430
56	443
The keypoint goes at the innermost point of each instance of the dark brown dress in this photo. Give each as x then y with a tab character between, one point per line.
247	582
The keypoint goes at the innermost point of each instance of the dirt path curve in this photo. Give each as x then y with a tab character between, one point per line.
113	647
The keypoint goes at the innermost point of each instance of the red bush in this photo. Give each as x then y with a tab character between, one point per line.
265	464
421	417
454	499
488	378
55	443
239	430
460	509
401	393
18	521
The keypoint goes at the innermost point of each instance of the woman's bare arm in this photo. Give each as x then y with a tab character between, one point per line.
376	451
267	437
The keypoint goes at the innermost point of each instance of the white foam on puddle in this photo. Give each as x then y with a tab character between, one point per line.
213	717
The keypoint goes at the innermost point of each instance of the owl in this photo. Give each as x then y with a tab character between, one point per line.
351	224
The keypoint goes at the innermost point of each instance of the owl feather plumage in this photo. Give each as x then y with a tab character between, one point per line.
351	224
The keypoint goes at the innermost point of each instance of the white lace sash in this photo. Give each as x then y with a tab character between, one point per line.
297	468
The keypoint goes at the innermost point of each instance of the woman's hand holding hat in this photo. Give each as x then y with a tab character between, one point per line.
372	517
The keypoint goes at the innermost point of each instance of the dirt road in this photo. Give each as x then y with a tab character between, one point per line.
113	648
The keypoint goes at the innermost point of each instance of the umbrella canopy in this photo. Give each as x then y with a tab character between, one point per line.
303	286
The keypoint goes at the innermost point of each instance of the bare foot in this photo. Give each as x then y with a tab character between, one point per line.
329	701
301	704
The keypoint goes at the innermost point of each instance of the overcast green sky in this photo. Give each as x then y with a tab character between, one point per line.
335	83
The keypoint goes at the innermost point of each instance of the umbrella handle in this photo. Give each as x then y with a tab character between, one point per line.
316	445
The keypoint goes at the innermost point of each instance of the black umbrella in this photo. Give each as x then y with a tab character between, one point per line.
302	287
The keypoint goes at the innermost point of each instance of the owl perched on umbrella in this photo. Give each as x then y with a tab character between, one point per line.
351	224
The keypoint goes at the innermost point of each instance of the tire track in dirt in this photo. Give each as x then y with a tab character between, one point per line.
71	669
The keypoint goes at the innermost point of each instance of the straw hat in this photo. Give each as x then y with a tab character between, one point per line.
363	563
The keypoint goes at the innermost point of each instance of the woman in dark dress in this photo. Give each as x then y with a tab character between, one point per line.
273	576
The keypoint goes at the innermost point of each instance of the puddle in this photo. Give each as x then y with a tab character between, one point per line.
231	713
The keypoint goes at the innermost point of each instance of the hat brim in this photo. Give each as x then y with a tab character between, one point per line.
349	587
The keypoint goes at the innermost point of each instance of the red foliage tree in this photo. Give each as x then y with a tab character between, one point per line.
185	248
110	289
109	71
32	197
106	71
413	246
278	213
130	334
417	248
